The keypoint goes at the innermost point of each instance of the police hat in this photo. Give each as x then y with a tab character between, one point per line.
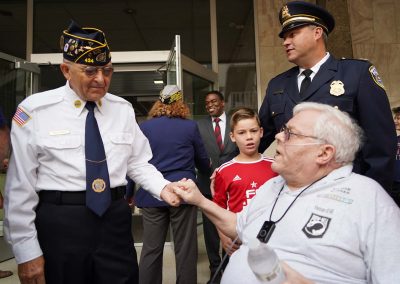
297	13
170	94
85	45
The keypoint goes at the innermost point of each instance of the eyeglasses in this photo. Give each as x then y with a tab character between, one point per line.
288	132
91	71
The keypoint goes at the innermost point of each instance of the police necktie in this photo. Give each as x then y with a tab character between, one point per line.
98	195
306	81
217	133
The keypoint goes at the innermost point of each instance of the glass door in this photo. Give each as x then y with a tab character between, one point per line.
18	80
173	65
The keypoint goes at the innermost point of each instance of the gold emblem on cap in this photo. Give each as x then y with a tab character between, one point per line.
77	103
285	12
101	57
98	185
337	88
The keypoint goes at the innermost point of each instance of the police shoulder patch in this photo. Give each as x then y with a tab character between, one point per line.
375	76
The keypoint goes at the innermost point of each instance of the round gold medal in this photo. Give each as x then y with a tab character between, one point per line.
98	185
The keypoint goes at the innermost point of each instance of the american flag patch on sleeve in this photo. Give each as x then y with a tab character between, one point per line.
21	117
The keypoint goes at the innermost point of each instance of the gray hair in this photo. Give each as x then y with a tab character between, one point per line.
336	128
324	34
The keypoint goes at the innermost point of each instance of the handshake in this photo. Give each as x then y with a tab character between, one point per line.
185	189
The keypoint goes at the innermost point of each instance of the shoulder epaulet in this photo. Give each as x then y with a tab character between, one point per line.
26	107
114	98
42	99
355	59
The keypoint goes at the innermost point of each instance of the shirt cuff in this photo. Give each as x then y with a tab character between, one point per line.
27	251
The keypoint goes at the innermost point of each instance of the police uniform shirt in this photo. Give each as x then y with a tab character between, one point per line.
351	85
343	229
48	136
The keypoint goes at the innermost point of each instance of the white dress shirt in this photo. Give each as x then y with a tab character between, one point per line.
49	154
314	69
222	125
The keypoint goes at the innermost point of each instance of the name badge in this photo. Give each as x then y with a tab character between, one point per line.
58	132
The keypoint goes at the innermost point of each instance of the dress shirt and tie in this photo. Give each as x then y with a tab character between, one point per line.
98	195
219	125
306	81
218	135
309	73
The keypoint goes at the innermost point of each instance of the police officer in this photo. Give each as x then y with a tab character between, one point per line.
65	213
351	85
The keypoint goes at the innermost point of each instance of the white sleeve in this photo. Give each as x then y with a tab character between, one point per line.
139	168
382	254
21	198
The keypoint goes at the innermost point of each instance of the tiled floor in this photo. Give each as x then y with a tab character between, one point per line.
168	269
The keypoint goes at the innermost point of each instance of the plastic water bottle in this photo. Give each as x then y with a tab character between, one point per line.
264	262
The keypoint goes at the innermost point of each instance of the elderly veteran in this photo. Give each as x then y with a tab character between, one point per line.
325	221
353	86
73	147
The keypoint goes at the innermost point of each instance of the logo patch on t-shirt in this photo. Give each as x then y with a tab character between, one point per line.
316	226
237	178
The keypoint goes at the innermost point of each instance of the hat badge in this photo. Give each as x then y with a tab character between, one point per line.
337	88
285	12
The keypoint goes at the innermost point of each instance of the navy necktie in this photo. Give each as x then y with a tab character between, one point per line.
217	132
306	81
98	194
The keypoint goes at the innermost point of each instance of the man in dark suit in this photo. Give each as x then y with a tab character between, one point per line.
351	85
219	154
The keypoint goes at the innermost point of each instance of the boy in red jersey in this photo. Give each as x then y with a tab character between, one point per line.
236	181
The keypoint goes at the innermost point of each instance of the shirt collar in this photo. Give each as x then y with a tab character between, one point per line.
316	67
333	176
222	117
77	103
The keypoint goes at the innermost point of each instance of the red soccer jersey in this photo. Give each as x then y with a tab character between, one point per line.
236	182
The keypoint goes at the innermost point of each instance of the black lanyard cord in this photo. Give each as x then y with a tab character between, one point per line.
287	209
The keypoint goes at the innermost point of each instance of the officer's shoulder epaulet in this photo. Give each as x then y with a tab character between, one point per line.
365	63
364	60
42	99
114	98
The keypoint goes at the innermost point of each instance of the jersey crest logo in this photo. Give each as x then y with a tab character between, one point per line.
375	76
316	226
237	178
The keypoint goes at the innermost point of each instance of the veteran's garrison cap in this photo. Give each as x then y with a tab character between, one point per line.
85	45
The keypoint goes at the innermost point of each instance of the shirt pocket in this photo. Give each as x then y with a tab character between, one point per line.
120	143
343	103
278	115
68	149
63	142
